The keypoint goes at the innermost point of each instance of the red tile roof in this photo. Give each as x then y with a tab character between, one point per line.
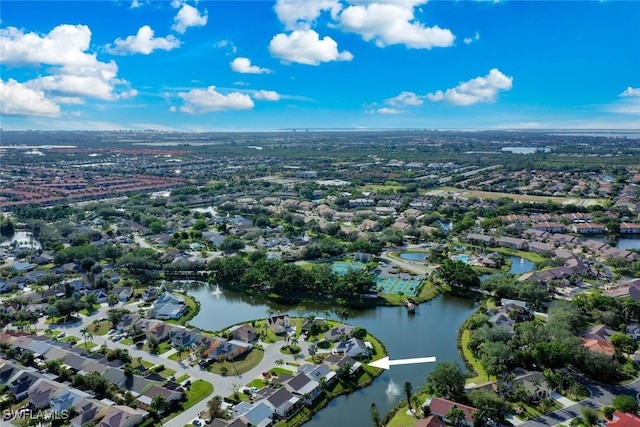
621	419
440	406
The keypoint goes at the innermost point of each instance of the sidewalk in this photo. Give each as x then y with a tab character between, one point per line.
564	401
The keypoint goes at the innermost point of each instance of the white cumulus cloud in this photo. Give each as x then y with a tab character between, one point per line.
266	95
74	73
387	110
391	23
630	92
188	16
243	65
206	100
469	40
18	99
480	89
405	98
306	47
301	13
143	42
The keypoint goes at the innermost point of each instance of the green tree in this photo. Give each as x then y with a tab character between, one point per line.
623	344
159	403
589	416
625	403
455	416
87	336
448	380
153	344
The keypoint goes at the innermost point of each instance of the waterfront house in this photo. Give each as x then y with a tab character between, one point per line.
169	306
338	333
280	400
243	333
304	387
279	323
353	347
440	407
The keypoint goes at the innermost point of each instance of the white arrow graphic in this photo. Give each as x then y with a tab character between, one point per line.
385	363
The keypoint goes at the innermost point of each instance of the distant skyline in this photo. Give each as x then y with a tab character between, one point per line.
264	65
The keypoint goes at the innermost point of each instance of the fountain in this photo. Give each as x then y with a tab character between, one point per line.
217	291
521	261
393	389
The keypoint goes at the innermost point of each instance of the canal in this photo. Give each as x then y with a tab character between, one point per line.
431	331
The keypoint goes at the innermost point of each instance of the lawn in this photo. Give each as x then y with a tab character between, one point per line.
402	419
100	328
70	338
257	383
184	355
134	363
481	374
279	371
182	378
241	364
199	390
533	257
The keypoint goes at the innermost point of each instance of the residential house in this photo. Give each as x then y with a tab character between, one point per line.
122	416
627	289
353	347
69	398
540	247
482	239
550	227
151	293
588	228
596	339
502	320
124	293
21	383
337	361
440	407
159	330
318	373
235	348
280	401
629	228
42	392
303	386
624	419
184	337
513	243
88	410
254	414
279	323
243	333
338	333
171	396
169	306
535	384
430	421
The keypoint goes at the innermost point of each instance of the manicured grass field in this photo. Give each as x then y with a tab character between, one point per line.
241	364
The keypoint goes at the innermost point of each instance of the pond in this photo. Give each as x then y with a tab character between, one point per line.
520	265
431	331
413	256
22	239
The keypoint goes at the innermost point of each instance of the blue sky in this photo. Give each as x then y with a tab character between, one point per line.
263	65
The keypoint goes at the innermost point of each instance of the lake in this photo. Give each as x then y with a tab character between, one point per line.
520	265
22	239
431	331
413	256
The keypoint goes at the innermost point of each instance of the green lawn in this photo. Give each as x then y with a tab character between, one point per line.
199	390
126	341
182	378
71	338
241	364
481	374
279	371
183	356
533	257
401	418
100	328
257	383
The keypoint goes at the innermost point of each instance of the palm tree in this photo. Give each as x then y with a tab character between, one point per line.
545	404
455	416
159	403
313	350
552	378
408	388
112	299
279	362
87	336
375	415
179	351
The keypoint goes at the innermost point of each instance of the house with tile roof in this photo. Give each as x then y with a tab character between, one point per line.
440	407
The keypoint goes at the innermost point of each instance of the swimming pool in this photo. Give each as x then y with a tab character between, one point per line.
462	257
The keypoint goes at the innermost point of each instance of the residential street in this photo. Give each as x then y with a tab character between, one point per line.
223	385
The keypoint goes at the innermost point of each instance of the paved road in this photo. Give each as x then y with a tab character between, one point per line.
223	385
601	395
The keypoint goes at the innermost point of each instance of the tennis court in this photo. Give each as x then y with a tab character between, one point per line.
341	268
394	285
